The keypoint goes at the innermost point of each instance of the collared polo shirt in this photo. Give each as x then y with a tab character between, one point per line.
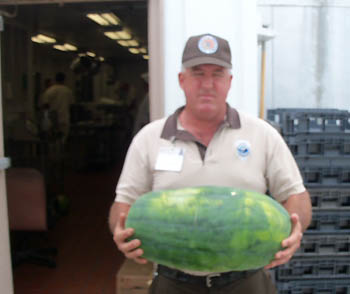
245	152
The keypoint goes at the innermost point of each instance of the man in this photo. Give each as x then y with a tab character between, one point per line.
207	142
58	98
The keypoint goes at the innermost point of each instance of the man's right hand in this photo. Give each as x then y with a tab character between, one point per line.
129	248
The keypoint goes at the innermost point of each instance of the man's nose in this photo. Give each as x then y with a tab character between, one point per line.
207	82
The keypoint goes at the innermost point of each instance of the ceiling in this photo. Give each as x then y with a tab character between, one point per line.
66	21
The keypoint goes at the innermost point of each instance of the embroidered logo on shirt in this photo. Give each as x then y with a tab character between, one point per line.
243	149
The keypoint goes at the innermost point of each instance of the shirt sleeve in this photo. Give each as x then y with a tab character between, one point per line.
135	178
282	173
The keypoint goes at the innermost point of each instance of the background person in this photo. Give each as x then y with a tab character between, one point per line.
206	138
57	99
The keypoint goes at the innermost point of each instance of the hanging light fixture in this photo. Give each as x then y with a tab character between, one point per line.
66	47
104	19
43	39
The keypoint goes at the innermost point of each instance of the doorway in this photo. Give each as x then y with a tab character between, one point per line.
104	75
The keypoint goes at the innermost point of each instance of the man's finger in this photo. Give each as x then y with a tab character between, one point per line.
134	254
121	235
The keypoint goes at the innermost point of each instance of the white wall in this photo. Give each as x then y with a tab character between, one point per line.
308	62
232	20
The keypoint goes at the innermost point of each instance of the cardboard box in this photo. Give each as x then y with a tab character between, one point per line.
134	278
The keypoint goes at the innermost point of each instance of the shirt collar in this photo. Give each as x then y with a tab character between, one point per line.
170	130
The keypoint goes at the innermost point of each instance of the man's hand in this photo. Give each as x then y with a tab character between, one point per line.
129	248
290	245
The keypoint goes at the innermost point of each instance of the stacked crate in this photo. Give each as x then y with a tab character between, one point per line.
320	142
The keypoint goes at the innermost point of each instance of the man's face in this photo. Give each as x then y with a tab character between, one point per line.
206	87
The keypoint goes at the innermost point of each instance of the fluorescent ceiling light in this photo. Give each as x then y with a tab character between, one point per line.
60	47
123	43
128	43
111	35
134	50
70	47
40	38
124	35
143	50
118	35
104	19
111	18
92	54
98	19
145	57
133	43
35	39
65	47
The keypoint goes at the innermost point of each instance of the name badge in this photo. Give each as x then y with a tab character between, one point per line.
170	159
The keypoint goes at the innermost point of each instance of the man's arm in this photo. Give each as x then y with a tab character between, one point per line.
117	217
114	214
300	210
301	205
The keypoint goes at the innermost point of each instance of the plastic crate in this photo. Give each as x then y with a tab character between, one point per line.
305	269
323	161
329	222
324	245
277	114
293	121
330	198
327	176
316	144
314	287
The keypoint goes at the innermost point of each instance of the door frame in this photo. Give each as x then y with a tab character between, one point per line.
6	279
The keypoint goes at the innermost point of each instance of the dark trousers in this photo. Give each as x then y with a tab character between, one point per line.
258	283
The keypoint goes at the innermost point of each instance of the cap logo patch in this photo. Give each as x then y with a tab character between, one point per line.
208	44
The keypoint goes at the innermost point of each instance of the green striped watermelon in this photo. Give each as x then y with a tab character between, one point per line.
212	229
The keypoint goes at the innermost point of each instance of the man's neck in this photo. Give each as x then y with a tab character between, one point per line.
203	130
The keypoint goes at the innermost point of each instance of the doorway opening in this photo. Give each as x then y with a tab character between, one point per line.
105	73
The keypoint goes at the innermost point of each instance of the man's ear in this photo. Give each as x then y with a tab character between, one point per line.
181	79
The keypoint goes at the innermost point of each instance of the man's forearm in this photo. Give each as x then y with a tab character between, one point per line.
116	209
301	205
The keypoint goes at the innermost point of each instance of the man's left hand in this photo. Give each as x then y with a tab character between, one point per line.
290	245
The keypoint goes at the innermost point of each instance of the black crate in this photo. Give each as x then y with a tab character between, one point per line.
327	176
324	245
277	114
316	144
330	198
314	287
316	268
329	222
323	162
294	121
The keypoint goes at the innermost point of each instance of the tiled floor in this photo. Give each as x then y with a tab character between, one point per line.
87	260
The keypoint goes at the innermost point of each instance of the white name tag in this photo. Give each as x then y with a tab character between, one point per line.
170	159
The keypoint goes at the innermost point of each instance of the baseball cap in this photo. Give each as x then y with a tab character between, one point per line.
206	49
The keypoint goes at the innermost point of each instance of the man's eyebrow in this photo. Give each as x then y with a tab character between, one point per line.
195	68
219	69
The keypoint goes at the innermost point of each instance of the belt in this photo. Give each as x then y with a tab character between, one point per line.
216	279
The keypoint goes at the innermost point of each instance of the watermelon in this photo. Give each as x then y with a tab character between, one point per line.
209	229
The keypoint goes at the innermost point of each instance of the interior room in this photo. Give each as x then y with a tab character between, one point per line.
101	47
